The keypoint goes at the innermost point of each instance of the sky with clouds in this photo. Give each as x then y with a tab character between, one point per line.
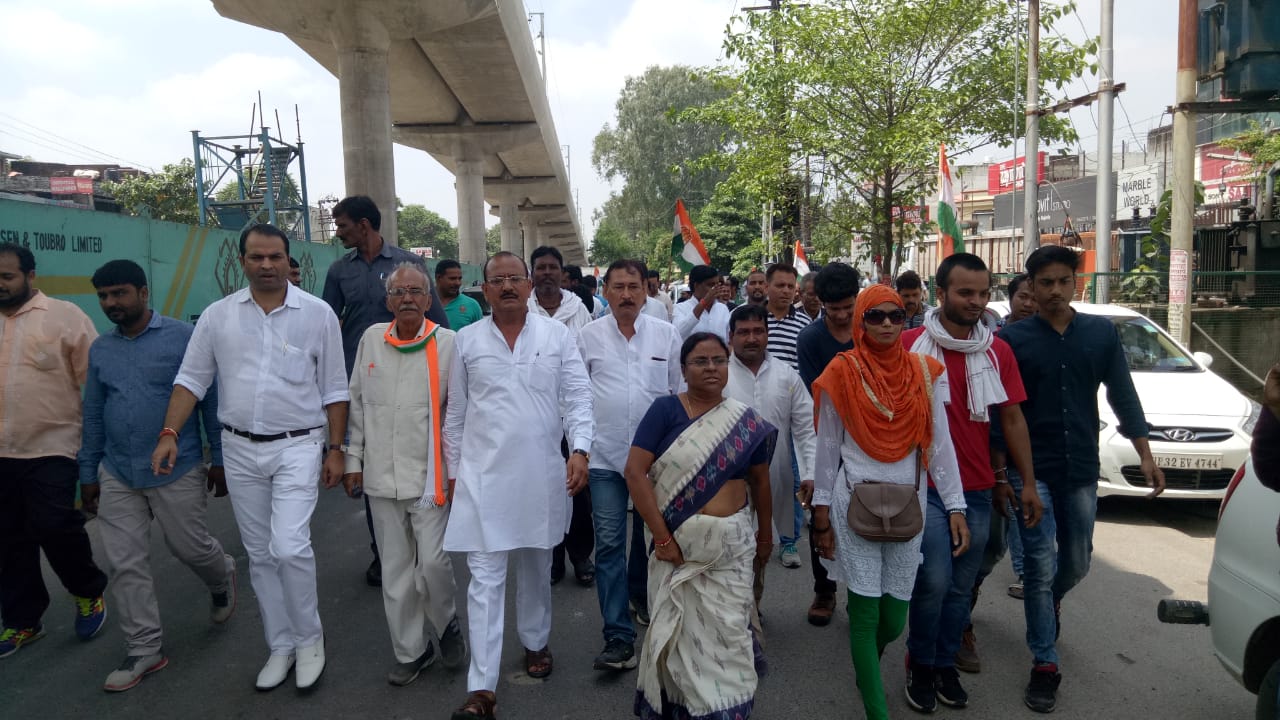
127	80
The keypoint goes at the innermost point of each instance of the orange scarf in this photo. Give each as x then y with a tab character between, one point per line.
427	339
883	394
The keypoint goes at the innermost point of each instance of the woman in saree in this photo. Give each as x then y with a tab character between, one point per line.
879	419
696	459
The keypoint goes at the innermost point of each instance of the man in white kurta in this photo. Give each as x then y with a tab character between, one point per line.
515	375
394	453
776	391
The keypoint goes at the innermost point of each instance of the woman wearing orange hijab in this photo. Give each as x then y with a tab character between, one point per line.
875	406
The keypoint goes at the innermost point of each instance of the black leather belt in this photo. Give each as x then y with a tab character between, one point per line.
255	437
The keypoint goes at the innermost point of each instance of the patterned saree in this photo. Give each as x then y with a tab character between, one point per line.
697	661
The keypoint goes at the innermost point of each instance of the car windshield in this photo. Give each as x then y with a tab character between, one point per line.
1149	350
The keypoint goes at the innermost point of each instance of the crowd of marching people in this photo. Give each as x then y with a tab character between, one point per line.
664	452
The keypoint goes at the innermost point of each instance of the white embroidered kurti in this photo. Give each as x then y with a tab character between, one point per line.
502	434
873	568
391	415
778	393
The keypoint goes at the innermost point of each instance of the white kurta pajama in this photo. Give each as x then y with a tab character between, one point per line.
508	409
390	425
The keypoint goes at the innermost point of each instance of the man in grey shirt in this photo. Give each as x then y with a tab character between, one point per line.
356	289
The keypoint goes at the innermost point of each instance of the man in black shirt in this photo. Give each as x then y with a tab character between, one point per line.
817	344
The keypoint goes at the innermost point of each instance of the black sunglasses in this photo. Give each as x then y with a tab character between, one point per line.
877	317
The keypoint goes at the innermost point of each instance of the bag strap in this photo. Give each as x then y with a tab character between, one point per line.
919	453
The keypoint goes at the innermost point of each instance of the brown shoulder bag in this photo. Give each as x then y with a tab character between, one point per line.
886	512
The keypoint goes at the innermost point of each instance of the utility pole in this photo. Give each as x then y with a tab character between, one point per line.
1106	121
1030	164
1184	140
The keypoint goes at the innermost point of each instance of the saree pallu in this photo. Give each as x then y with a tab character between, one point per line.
697	661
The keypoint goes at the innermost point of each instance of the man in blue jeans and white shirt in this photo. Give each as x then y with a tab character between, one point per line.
632	359
1064	356
982	381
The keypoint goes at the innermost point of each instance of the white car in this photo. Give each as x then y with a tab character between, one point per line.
1201	425
1243	614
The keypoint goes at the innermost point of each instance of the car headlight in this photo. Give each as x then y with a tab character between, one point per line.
1255	410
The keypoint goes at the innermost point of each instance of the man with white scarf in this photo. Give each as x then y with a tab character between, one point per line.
981	372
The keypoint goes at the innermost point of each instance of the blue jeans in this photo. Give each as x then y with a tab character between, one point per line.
799	511
1049	572
609	514
939	610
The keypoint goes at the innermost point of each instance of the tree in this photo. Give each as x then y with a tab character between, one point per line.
653	154
729	226
167	195
870	88
611	243
493	240
420	227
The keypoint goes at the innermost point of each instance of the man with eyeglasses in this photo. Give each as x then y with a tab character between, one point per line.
817	344
355	287
516	386
395	456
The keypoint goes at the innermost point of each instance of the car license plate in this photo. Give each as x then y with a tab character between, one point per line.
1189	462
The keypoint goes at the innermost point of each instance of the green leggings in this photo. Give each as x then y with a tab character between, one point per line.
874	622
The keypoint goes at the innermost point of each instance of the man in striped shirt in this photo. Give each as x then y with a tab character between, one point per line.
785	324
785	320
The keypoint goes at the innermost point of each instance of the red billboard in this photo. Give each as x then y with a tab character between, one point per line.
62	186
1007	176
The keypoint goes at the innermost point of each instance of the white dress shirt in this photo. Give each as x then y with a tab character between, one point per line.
276	372
778	394
571	312
392	413
714	320
653	307
502	434
626	377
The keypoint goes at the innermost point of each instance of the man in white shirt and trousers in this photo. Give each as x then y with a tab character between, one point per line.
702	312
632	359
276	353
775	390
515	375
395	454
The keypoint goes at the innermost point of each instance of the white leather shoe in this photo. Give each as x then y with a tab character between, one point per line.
274	672
310	665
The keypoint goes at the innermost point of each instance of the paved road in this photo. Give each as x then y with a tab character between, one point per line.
1118	661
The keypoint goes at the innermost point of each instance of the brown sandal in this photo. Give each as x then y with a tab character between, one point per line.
538	663
480	705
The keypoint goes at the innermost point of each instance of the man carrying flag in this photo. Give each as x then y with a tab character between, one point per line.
949	238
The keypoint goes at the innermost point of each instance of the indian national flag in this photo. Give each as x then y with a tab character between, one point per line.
949	238
801	262
686	247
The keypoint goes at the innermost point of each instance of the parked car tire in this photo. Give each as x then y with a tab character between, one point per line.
1266	709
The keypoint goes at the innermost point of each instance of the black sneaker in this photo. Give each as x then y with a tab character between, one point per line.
618	655
1041	695
640	609
453	648
921	695
947	684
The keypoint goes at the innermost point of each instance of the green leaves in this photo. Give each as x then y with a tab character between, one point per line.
167	195
419	227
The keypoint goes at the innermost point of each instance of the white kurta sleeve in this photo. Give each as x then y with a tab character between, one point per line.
684	319
456	412
199	367
575	396
944	469
803	435
355	414
826	463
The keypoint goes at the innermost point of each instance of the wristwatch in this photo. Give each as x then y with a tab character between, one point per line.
335	446
583	453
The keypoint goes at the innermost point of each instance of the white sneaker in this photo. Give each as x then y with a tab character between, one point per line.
310	665
274	672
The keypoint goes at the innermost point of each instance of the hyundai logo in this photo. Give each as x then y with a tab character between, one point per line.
1180	434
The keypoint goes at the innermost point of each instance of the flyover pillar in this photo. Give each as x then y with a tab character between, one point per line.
509	218
469	182
364	94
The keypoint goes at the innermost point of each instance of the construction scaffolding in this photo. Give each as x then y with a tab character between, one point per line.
246	179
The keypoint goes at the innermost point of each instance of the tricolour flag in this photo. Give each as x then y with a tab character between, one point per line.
801	262
686	247
949	238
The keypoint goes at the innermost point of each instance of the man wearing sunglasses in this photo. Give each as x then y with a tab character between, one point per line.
981	374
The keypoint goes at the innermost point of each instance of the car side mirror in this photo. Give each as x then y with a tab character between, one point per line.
1203	358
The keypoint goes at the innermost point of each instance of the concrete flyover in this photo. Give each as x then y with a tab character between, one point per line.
458	79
